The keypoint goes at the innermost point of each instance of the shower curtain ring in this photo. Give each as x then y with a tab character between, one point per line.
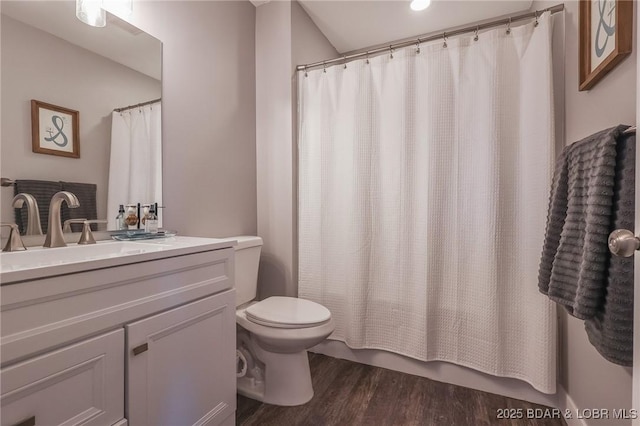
324	67
391	51
344	58
509	26
367	61
306	74
536	24
444	37
475	37
418	47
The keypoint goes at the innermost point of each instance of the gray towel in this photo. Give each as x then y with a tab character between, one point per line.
86	193
575	255
42	190
610	331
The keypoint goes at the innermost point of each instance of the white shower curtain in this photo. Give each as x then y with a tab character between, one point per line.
423	186
135	169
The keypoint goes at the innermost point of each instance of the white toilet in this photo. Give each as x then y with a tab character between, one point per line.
273	335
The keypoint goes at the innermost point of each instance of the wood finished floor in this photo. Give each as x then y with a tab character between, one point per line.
352	394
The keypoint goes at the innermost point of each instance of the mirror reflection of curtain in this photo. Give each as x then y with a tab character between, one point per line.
135	169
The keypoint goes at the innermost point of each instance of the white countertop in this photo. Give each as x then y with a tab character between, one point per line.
39	262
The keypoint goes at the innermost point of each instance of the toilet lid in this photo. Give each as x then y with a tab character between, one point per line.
287	312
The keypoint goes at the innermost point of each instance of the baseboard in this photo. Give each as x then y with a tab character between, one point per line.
439	371
566	404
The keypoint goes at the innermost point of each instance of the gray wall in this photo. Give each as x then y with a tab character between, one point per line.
208	91
37	65
589	380
285	37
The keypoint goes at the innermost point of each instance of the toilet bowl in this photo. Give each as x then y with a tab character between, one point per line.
273	336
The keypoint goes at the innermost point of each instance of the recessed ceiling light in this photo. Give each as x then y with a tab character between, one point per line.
420	4
91	12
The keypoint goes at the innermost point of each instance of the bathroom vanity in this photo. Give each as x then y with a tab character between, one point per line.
119	333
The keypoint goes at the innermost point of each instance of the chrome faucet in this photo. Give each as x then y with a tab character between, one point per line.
33	224
55	237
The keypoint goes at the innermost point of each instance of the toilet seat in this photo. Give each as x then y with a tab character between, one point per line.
287	312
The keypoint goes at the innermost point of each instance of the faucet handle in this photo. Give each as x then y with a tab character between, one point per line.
67	224
87	236
14	242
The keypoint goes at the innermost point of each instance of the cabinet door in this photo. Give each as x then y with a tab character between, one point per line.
78	384
181	365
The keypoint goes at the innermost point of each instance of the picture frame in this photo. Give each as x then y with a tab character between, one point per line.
606	34
55	130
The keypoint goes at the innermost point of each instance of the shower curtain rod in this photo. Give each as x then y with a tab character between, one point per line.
137	105
437	36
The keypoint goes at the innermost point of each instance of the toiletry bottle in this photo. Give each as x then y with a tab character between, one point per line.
131	219
120	218
143	215
151	221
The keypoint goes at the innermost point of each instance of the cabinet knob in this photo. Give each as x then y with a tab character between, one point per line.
623	243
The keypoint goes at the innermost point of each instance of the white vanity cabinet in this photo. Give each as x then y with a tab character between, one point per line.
144	340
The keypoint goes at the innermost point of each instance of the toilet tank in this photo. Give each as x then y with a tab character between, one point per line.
246	269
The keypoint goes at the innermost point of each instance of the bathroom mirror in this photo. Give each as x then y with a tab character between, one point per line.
48	55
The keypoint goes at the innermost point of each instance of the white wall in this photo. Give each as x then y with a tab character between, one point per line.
274	147
285	37
590	380
208	91
37	65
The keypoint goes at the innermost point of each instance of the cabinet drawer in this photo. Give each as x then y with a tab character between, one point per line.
42	314
77	384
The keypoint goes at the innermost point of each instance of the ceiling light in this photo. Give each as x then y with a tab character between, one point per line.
420	4
91	12
118	7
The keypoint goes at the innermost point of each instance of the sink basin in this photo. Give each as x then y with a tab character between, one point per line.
39	257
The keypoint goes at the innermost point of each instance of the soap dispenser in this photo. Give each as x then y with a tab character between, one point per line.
131	218
120	219
151	221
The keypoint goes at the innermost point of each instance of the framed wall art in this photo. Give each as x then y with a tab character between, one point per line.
54	130
606	32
